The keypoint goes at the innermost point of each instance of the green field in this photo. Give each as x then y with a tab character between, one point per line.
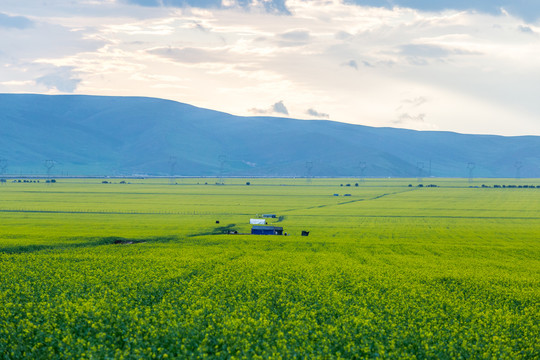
142	270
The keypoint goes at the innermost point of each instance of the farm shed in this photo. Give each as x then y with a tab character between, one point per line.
257	221
266	230
269	216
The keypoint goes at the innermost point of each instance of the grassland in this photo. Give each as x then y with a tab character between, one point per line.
142	270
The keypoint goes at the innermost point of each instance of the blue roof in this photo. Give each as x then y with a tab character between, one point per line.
259	227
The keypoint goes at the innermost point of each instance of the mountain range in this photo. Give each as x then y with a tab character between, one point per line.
124	136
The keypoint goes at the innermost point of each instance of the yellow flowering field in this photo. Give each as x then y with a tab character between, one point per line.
142	269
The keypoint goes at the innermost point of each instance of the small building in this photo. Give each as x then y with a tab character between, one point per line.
257	221
269	216
266	230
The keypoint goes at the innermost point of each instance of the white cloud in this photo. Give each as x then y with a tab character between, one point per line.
296	37
526	29
192	55
316	114
417	121
351	63
277	108
280	108
62	79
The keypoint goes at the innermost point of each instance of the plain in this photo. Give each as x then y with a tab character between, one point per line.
141	269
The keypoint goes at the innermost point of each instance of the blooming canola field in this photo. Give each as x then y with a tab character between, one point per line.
142	269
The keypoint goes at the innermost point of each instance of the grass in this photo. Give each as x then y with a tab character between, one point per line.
92	270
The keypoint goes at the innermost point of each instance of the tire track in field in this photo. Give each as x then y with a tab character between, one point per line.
351	201
424	216
127	212
200	213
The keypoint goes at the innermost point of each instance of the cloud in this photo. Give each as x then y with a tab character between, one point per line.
201	27
316	114
277	108
276	6
354	64
15	22
417	121
191	55
61	79
415	102
176	3
526	29
424	50
406	119
270	6
412	103
351	63
526	9
343	35
44	40
280	108
403	118
419	54
297	37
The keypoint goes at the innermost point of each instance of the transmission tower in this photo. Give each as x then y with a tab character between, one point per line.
309	167
49	164
362	165
222	160
3	166
518	165
172	165
420	168
470	167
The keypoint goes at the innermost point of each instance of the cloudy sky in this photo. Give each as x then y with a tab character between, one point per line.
459	65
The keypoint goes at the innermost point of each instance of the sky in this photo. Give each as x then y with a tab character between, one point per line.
463	66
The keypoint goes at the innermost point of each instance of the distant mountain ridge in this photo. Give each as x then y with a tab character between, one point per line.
101	135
